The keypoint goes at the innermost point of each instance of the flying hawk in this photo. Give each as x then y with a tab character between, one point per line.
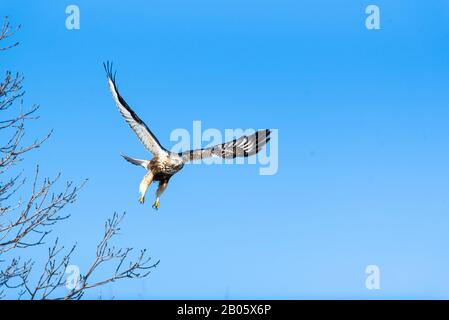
165	163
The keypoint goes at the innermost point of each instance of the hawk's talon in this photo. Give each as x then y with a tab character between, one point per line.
156	205
142	199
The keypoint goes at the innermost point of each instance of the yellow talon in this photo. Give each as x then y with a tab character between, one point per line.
142	199
156	204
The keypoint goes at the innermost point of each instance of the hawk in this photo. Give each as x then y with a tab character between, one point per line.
164	163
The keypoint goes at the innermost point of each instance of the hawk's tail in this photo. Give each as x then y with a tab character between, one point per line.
137	162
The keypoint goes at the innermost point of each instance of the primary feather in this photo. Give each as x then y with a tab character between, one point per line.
142	131
245	146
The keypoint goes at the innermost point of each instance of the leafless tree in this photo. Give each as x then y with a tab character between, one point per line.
26	221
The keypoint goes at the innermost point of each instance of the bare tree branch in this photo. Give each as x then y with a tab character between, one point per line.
27	217
6	32
140	267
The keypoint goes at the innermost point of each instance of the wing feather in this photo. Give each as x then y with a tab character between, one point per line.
245	146
142	131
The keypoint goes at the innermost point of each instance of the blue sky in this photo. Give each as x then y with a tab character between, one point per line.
363	140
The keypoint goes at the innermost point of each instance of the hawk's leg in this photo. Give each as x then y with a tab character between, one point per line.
146	181
161	188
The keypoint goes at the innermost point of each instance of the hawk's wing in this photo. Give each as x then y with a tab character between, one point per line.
144	134
244	146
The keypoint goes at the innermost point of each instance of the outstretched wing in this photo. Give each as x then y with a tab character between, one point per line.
244	146
144	134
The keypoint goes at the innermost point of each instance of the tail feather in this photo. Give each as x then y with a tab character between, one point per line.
137	162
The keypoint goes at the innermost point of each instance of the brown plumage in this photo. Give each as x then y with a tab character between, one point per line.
162	169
